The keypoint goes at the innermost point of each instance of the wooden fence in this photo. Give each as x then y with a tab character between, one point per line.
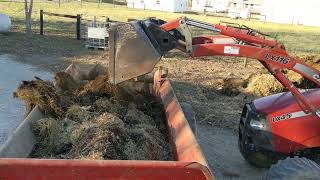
77	17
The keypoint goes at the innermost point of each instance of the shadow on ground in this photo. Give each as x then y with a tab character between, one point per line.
211	105
52	51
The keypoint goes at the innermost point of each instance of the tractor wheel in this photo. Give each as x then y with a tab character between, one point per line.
294	169
261	159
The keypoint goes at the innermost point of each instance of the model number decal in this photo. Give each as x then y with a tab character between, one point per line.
282	117
276	58
231	50
292	115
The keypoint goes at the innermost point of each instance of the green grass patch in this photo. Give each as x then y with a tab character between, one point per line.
298	39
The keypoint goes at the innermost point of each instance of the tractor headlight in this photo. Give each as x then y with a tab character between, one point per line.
259	123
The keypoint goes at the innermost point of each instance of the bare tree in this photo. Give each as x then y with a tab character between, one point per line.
28	4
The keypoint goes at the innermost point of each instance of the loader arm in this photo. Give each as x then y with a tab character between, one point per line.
231	40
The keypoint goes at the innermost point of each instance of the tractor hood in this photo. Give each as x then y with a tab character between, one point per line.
285	100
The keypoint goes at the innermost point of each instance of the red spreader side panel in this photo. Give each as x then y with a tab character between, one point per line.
33	169
186	146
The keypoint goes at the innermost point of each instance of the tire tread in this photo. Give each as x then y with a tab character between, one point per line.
297	167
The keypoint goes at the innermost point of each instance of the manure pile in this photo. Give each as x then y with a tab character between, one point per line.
256	84
95	120
262	84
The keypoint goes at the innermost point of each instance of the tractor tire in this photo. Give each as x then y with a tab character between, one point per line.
260	159
294	169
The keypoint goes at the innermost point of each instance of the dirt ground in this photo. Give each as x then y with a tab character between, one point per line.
203	82
220	147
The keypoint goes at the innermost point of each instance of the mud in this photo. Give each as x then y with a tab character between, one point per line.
95	120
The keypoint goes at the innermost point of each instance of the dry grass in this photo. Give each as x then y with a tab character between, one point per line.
65	82
77	113
41	93
47	132
264	85
98	123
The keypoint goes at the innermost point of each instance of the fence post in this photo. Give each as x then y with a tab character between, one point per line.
41	22
59	3
245	62
78	26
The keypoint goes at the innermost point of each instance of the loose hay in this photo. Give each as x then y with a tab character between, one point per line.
264	85
64	82
78	113
95	121
47	132
41	93
100	86
233	86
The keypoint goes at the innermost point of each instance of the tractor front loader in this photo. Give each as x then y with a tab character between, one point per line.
270	128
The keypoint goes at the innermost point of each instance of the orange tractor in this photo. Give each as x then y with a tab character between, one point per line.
270	128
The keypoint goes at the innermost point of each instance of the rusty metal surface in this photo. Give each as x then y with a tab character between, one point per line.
131	52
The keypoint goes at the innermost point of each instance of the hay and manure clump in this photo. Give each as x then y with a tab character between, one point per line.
93	119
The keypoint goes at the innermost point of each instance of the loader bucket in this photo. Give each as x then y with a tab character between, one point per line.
131	53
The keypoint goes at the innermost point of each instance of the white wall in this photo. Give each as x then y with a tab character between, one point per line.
136	4
243	9
198	5
236	12
292	11
164	5
221	5
217	5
